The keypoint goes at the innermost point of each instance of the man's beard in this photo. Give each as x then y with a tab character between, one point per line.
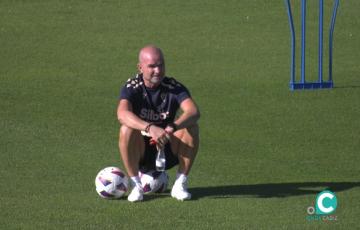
155	80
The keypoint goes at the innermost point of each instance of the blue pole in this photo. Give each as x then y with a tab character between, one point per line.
303	36
292	30
331	37
321	22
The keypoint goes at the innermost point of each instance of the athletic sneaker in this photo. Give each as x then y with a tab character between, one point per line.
137	194
179	190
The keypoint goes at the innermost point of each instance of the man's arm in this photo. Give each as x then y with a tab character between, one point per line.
189	117
128	118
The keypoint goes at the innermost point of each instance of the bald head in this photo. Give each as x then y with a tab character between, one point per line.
149	52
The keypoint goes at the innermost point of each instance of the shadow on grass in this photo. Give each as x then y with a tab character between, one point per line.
347	87
270	190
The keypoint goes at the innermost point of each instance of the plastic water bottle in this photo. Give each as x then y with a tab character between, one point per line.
160	160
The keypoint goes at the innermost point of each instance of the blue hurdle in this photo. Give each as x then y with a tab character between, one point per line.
303	84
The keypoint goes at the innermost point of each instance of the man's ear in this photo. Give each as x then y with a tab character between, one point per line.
139	68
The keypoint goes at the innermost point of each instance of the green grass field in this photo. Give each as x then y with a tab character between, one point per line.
265	151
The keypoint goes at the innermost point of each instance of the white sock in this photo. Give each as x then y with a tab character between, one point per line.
136	181
181	177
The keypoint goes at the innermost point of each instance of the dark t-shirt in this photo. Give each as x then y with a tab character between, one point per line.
158	106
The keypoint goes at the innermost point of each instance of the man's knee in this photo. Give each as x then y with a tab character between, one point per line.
188	137
128	134
125	131
131	139
193	130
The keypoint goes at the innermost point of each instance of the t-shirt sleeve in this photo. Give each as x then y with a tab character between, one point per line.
126	93
182	93
129	93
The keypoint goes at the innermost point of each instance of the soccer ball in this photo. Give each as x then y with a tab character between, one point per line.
111	183
154	181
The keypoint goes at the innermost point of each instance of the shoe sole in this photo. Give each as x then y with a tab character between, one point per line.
186	198
134	201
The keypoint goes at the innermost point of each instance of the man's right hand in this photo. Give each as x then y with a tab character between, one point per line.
159	135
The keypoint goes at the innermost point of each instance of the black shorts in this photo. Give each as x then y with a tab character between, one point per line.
148	162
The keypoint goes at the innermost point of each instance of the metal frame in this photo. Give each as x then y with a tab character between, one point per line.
303	84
